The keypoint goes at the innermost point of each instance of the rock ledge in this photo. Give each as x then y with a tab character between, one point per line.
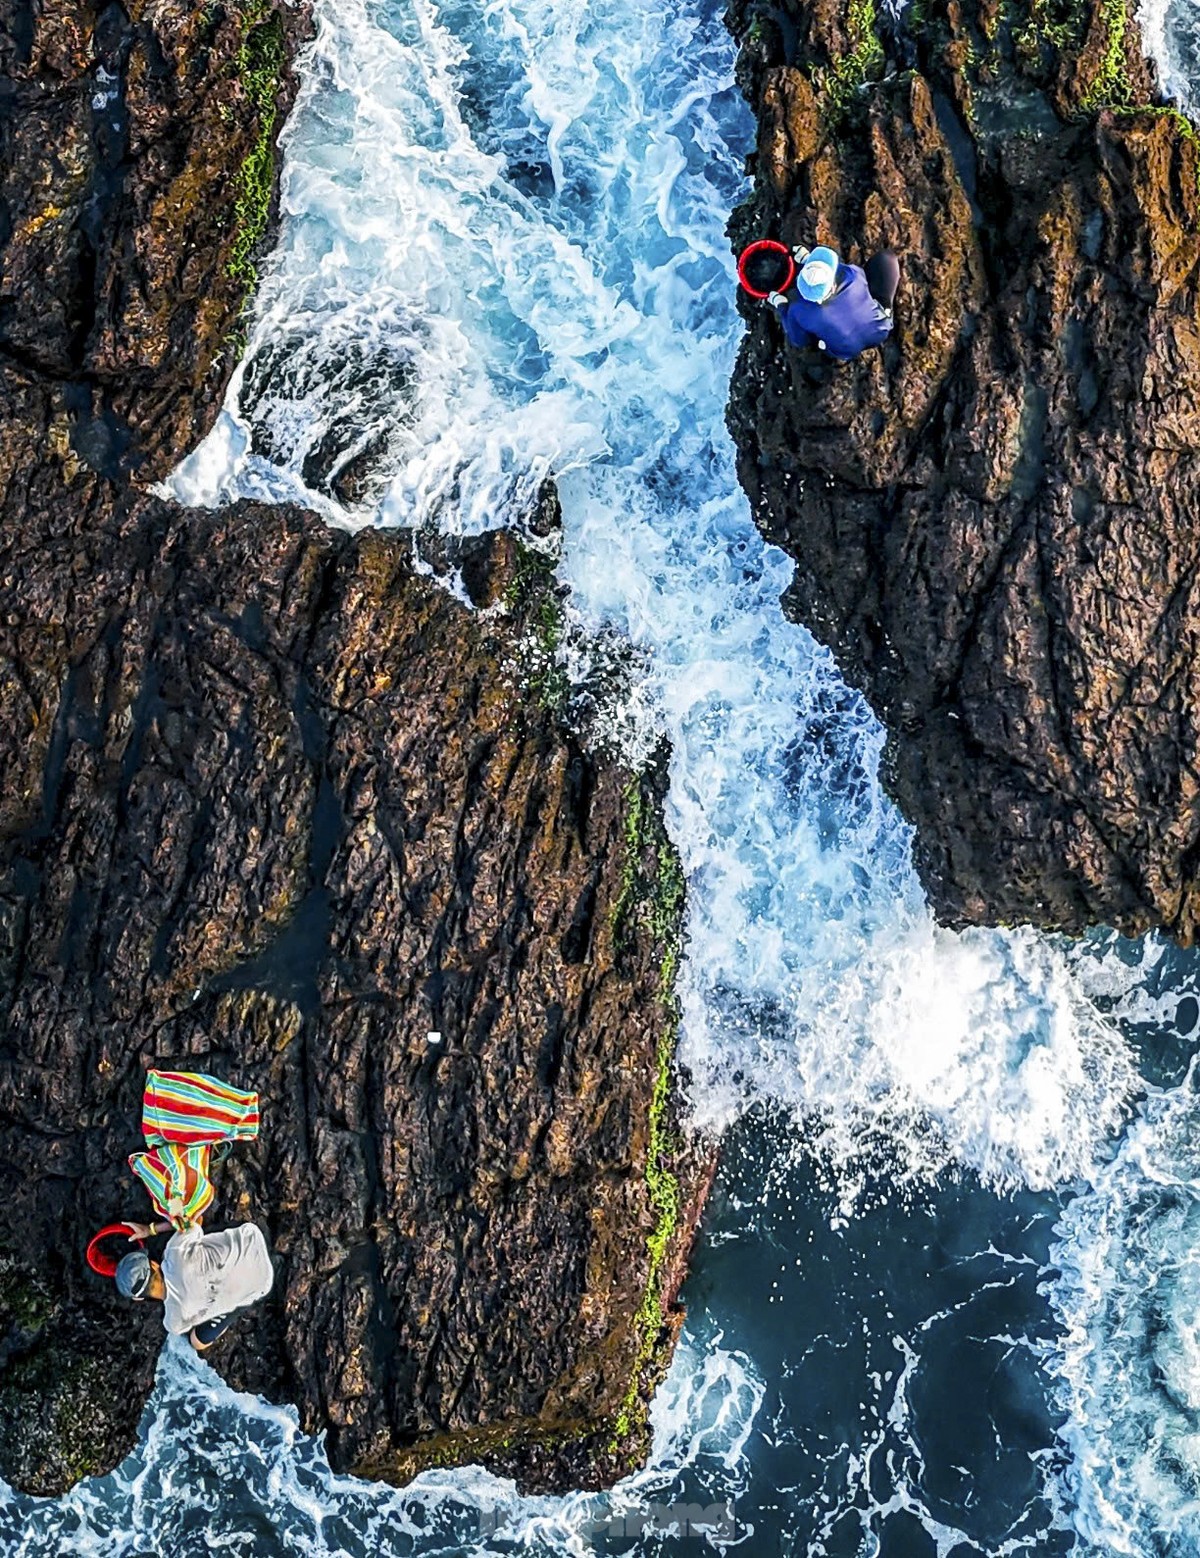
996	520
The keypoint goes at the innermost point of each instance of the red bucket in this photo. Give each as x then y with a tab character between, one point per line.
97	1259
758	247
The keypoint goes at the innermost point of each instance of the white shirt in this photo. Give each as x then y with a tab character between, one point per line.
208	1275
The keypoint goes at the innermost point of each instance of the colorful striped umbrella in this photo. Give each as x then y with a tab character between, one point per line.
189	1107
184	1113
177	1179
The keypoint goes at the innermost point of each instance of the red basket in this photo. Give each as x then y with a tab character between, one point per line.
757	248
104	1264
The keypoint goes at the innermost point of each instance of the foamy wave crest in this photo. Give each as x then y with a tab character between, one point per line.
1128	1366
922	1050
217	1471
1171	35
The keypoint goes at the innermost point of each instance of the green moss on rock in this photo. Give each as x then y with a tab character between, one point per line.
51	1432
1049	29
1111	86
840	83
535	595
654	897
25	1301
260	63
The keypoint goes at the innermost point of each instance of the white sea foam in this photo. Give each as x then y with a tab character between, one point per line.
503	257
214	1466
1171	34
1128	1298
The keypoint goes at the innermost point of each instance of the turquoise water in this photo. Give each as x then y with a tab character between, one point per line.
503	258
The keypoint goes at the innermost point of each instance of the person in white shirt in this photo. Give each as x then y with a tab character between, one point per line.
203	1280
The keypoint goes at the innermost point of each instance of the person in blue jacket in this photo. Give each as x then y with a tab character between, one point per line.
840	309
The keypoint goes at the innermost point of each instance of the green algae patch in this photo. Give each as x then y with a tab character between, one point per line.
1111	86
663	1186
841	82
534	595
652	900
260	63
627	892
53	1432
25	1301
1050	29
656	898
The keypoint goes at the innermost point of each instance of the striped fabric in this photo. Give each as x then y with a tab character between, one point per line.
189	1107
177	1179
183	1114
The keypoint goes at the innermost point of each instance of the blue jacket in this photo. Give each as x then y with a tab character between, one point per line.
846	323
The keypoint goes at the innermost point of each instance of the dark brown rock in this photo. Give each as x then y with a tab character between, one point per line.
277	806
996	519
300	812
124	142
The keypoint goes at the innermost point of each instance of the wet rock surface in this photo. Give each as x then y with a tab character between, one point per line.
135	148
276	805
996	518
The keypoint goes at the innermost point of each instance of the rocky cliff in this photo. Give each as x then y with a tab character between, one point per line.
996	519
276	805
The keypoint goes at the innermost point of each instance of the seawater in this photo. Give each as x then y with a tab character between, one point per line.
502	260
1171	29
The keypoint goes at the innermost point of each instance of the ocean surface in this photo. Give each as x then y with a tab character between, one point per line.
947	1298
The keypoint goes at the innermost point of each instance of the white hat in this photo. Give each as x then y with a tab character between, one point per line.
818	275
